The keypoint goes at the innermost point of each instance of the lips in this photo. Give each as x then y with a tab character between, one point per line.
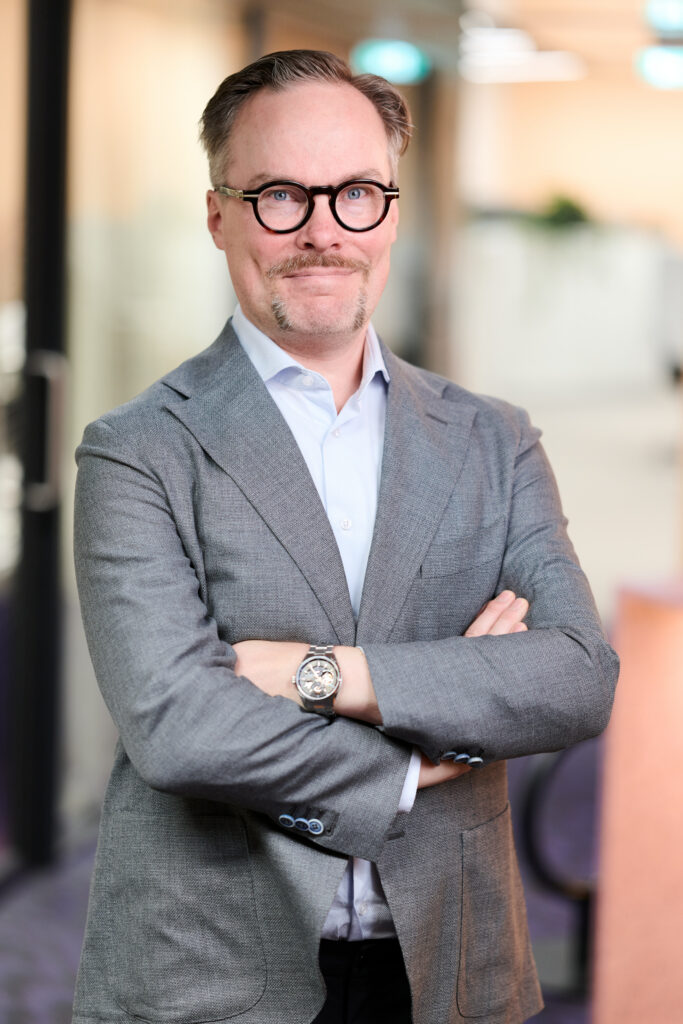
321	272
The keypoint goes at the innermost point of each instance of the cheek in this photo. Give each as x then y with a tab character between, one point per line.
380	260
386	236
247	263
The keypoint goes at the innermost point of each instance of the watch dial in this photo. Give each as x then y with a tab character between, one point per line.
318	678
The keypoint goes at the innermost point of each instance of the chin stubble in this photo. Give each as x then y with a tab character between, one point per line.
302	262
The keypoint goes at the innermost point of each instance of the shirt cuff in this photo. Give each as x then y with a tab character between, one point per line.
409	790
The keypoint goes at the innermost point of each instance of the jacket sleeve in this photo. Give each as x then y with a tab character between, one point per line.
187	722
496	697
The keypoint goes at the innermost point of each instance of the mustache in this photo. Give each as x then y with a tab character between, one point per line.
304	260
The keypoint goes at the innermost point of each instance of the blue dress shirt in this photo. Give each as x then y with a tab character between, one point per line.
343	452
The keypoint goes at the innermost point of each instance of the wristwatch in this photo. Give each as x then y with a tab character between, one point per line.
318	680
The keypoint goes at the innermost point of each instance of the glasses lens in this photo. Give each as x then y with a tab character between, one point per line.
282	206
360	205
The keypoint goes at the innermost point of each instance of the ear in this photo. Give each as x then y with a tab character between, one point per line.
214	219
392	217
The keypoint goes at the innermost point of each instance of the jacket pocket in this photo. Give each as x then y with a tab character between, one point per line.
495	952
446	556
176	896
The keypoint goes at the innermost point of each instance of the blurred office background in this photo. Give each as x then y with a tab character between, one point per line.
540	258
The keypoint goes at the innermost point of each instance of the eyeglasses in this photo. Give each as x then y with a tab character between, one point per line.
282	206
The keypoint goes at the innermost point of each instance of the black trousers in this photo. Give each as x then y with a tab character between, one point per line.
366	983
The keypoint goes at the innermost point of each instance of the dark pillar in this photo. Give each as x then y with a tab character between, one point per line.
35	687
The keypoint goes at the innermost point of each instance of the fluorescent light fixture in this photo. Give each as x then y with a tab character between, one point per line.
495	56
496	41
661	66
665	17
394	59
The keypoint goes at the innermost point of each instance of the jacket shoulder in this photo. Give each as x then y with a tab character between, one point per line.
492	413
141	420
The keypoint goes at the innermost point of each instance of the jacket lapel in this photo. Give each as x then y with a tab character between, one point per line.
229	411
425	442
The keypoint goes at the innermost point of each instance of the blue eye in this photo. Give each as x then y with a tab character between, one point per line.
354	193
279	195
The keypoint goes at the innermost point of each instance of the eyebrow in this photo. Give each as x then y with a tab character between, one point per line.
260	179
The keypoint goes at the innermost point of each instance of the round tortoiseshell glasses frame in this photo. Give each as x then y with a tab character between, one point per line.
332	191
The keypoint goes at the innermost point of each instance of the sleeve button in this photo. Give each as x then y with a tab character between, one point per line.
315	827
475	762
301	824
286	820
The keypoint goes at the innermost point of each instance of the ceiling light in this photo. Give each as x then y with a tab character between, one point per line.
394	59
665	17
494	56
661	66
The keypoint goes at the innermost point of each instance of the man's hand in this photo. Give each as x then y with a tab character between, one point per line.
502	615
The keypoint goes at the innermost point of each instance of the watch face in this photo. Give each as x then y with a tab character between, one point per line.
318	678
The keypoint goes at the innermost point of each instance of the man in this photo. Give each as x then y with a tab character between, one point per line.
297	503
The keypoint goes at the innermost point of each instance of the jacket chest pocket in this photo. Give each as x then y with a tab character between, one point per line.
458	575
455	554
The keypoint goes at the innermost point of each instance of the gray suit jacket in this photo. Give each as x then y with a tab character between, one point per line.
197	525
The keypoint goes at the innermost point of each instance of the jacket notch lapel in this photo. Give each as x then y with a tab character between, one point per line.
425	443
234	419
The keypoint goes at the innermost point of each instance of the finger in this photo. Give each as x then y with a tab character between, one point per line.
490	613
520	627
510	617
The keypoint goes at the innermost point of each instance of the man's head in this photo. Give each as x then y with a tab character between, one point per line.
301	116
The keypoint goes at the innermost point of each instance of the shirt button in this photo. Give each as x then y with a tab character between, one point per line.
362	908
306	380
336	432
345	524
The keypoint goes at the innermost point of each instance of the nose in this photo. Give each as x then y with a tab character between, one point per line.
321	231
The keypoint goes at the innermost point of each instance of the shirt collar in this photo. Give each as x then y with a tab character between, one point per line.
270	360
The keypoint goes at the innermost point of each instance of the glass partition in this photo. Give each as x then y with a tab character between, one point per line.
12	146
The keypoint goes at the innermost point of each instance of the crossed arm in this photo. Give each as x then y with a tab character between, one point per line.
194	713
271	665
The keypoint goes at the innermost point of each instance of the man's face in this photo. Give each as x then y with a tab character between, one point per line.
321	283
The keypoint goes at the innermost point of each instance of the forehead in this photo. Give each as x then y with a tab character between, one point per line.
306	131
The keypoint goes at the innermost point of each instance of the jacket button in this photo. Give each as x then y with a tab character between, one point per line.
315	827
461	758
449	755
301	824
286	820
475	762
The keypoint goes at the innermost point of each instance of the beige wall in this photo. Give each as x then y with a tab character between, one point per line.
613	143
143	278
12	143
